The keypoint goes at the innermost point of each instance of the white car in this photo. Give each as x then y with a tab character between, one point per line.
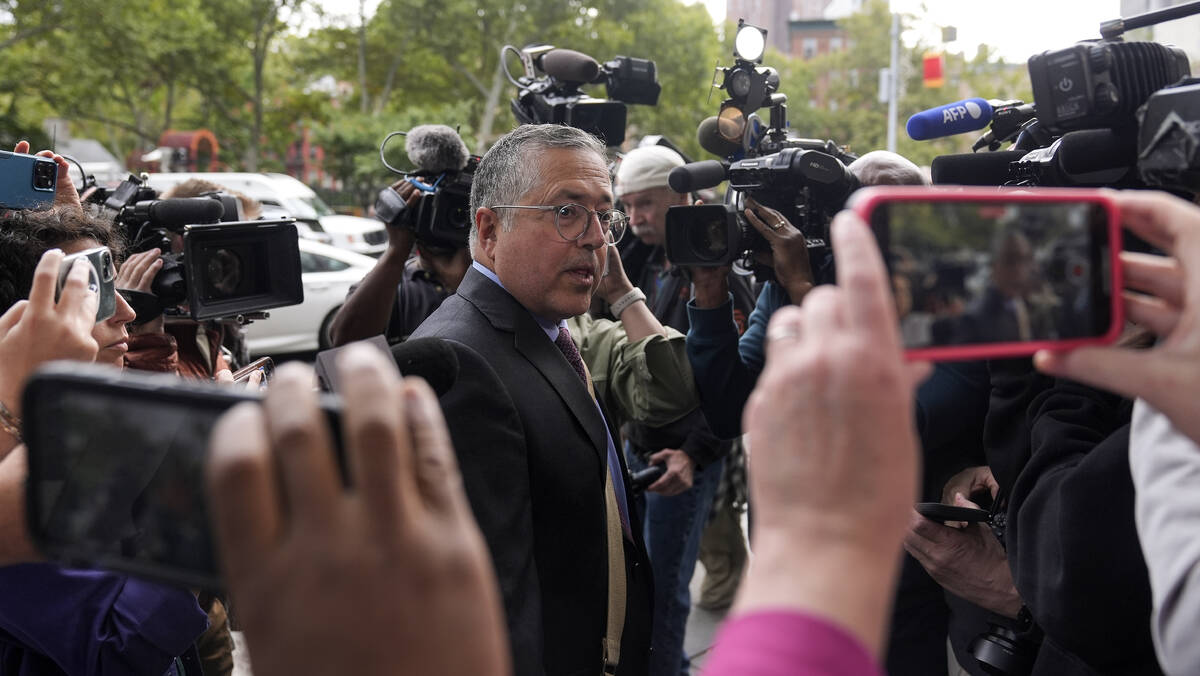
282	196
327	273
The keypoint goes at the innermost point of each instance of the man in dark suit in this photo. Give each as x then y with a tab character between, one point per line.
537	453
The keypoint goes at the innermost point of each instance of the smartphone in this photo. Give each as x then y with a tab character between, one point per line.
27	181
116	469
936	511
102	278
983	273
265	364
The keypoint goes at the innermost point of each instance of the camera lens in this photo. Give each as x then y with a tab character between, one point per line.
708	239
107	271
43	175
223	272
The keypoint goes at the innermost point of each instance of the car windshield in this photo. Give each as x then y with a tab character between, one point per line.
310	207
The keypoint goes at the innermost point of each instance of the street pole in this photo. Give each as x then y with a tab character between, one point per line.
893	83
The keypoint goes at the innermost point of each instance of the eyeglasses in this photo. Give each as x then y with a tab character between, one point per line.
572	220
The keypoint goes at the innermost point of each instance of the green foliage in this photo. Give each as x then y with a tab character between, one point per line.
125	71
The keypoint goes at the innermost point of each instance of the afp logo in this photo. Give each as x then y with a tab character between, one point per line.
961	112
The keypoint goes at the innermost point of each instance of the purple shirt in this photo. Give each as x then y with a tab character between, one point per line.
57	620
787	643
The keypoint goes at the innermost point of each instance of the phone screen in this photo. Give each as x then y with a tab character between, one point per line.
121	479
116	471
980	272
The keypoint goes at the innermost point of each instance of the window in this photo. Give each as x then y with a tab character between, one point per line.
810	48
310	262
835	44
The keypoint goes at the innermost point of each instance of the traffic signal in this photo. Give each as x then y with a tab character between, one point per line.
934	66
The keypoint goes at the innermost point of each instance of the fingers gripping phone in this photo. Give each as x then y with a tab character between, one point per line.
116	469
984	273
27	181
101	278
264	364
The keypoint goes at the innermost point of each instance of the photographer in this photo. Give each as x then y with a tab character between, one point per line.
679	503
401	290
55	619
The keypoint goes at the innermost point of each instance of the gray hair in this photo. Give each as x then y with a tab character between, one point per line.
510	169
880	167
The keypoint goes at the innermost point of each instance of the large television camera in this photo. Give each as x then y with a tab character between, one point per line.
445	170
548	91
804	179
1106	112
214	265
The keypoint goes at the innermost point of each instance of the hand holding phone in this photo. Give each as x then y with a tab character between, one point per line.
936	511
39	330
102	276
988	273
27	181
264	366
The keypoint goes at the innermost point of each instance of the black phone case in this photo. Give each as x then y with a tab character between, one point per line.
936	511
122	388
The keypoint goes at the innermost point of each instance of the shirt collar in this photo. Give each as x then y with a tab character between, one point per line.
549	326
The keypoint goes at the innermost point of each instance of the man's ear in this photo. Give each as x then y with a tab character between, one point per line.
487	227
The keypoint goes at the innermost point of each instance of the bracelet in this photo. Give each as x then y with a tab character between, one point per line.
625	301
10	423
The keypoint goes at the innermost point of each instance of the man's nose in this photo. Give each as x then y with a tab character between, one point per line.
596	234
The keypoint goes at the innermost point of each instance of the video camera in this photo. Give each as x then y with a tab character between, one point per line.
548	91
1106	113
445	170
212	262
804	179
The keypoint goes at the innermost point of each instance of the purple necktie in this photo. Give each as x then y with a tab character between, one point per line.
567	347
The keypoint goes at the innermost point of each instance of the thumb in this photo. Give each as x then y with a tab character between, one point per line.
960	501
662	456
1126	372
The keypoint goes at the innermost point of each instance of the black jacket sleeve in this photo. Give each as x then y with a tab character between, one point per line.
1071	539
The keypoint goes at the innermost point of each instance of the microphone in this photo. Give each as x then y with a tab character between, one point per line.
697	176
180	211
568	65
709	136
1091	150
974	168
953	118
435	148
430	358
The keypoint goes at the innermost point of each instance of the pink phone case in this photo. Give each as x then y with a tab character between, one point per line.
865	201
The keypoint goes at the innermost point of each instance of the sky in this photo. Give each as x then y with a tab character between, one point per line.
1017	28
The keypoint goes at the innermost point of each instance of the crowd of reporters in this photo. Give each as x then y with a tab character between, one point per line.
1085	461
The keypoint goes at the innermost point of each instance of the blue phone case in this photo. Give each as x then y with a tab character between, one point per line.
27	181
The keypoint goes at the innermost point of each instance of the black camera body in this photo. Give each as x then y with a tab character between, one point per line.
1107	113
1101	84
442	216
804	179
807	186
226	268
549	90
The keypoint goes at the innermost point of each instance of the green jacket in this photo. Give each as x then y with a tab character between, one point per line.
649	381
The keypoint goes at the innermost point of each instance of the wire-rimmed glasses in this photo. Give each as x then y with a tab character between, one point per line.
572	220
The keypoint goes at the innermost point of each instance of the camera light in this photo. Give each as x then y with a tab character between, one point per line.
731	124
739	83
750	43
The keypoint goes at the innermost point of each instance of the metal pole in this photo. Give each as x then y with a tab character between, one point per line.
893	83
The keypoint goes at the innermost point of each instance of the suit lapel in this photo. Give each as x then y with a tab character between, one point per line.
506	314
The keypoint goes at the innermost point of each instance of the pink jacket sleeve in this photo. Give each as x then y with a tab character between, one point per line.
787	643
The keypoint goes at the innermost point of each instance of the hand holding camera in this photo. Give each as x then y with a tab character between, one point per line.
65	194
789	249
